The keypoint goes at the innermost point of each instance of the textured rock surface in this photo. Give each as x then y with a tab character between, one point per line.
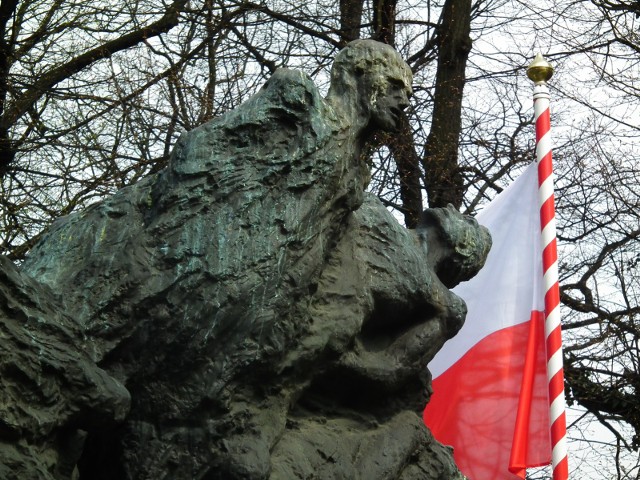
51	391
248	313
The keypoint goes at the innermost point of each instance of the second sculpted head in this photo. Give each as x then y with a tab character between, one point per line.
373	83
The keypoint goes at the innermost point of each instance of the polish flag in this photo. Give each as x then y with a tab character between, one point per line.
490	396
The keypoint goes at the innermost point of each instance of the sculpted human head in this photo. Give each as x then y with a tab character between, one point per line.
372	82
457	245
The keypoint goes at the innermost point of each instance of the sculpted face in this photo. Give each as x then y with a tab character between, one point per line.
385	90
386	108
372	83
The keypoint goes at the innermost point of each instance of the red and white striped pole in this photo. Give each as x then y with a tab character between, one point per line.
540	72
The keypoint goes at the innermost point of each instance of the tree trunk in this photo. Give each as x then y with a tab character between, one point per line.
350	20
384	21
402	147
443	177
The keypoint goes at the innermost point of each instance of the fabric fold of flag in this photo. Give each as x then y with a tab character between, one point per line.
490	396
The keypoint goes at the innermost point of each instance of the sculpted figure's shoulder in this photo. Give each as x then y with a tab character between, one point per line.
287	115
287	92
294	89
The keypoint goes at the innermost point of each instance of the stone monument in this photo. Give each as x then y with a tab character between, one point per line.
247	313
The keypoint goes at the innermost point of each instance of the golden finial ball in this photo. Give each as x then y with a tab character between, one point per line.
540	70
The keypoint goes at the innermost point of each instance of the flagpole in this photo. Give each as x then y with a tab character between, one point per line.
540	72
